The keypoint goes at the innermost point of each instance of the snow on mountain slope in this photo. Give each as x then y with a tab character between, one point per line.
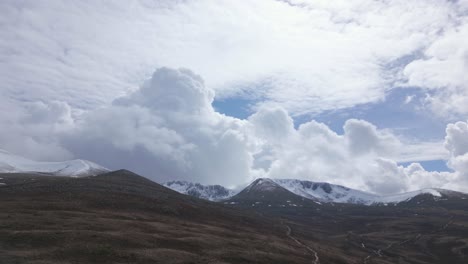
326	192
207	192
402	197
262	185
264	192
10	163
321	192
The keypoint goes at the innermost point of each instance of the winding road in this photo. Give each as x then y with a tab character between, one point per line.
316	259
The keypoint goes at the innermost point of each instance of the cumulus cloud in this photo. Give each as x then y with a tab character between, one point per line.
168	129
456	142
363	137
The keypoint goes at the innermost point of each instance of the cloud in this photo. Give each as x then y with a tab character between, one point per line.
442	71
273	124
72	73
31	128
363	137
168	129
304	56
456	142
456	139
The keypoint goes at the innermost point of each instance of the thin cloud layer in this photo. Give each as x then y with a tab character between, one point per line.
304	56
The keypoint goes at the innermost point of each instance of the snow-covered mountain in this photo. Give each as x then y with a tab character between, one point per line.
10	163
325	192
265	192
275	190
207	192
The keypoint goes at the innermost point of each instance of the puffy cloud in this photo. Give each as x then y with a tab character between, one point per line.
456	139
273	124
456	142
363	137
388	177
167	129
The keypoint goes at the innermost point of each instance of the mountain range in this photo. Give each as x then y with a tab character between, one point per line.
259	190
207	192
283	190
59	213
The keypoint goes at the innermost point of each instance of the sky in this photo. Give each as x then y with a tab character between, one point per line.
368	94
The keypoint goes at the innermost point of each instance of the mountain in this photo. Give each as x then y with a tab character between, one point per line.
121	217
326	193
207	192
10	163
263	190
266	192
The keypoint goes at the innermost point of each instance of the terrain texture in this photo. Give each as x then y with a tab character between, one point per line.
120	217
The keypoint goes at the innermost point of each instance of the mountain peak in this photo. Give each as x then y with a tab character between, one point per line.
263	185
10	163
207	192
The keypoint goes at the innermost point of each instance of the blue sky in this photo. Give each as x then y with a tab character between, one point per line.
401	111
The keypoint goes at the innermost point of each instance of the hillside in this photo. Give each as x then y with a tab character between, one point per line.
121	217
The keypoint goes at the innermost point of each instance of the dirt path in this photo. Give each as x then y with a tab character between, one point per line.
378	252
309	249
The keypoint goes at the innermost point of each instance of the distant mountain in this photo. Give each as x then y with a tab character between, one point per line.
10	163
207	192
279	191
326	193
266	192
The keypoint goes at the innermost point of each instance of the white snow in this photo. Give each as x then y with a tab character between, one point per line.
319	192
10	163
325	192
207	192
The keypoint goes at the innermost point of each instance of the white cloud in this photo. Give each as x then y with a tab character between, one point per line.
308	57
273	124
456	141
31	128
71	72
442	71
168	129
363	137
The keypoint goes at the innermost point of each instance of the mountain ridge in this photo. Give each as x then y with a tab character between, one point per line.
323	192
11	163
207	192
